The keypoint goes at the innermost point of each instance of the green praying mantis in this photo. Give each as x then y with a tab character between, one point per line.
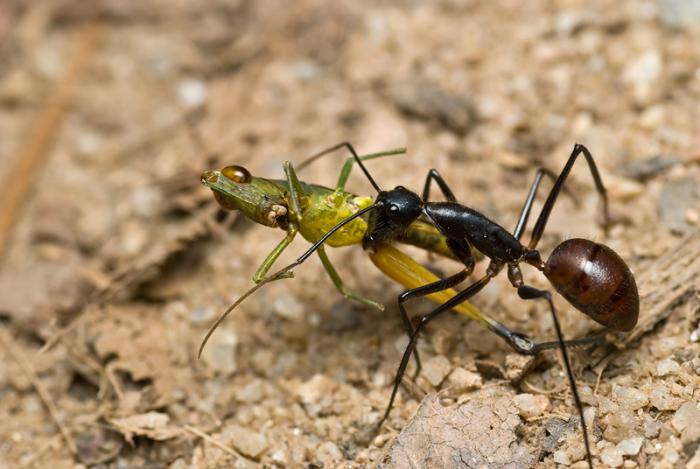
311	210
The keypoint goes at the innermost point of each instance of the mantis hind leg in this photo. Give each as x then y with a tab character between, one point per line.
347	166
340	286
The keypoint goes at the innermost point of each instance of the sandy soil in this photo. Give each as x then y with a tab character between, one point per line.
119	260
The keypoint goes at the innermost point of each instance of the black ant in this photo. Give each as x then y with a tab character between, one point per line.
591	276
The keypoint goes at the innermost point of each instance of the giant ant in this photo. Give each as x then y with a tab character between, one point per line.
591	276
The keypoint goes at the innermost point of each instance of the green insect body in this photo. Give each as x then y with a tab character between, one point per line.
314	210
310	210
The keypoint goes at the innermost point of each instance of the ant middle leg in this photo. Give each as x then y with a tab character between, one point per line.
434	175
532	193
556	189
347	167
462	251
461	297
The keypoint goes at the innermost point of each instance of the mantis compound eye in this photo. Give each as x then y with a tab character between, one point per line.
237	174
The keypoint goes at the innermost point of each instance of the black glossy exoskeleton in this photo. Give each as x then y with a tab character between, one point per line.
591	276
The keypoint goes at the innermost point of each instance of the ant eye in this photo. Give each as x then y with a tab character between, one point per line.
237	174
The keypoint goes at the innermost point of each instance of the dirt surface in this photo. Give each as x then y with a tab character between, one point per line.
119	260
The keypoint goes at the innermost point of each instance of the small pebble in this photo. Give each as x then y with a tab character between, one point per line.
612	456
687	415
251	392
532	405
652	429
621	425
280	457
288	307
246	441
630	397
192	93
436	369
343	315
560	457
631	446
179	463
662	399
462	380
202	315
675	199
667	367
676	13
317	393
642	73
670	455
329	453
220	352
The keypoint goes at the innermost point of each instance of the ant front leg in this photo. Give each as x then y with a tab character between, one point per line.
462	251
461	297
554	193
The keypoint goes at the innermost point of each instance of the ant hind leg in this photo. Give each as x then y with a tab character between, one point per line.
530	293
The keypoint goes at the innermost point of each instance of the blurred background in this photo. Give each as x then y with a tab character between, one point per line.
114	260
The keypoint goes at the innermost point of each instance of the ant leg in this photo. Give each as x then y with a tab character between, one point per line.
356	158
433	175
340	286
462	296
554	193
462	251
442	284
404	270
530	293
527	207
347	166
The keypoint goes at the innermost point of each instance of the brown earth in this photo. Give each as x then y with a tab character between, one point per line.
118	259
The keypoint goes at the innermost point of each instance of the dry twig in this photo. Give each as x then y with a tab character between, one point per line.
32	157
9	344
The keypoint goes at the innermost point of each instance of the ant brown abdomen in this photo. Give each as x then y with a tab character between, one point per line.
594	279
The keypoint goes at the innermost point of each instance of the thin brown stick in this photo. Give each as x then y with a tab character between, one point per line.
19	180
197	432
9	344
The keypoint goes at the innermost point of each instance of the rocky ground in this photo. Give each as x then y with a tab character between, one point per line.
118	259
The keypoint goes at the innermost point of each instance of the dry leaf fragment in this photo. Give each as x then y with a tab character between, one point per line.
153	425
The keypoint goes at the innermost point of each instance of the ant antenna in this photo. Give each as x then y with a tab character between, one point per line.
283	273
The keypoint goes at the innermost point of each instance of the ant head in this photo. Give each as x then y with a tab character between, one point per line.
400	205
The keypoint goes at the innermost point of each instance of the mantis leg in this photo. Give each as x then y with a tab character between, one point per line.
296	192
272	257
338	282
347	166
